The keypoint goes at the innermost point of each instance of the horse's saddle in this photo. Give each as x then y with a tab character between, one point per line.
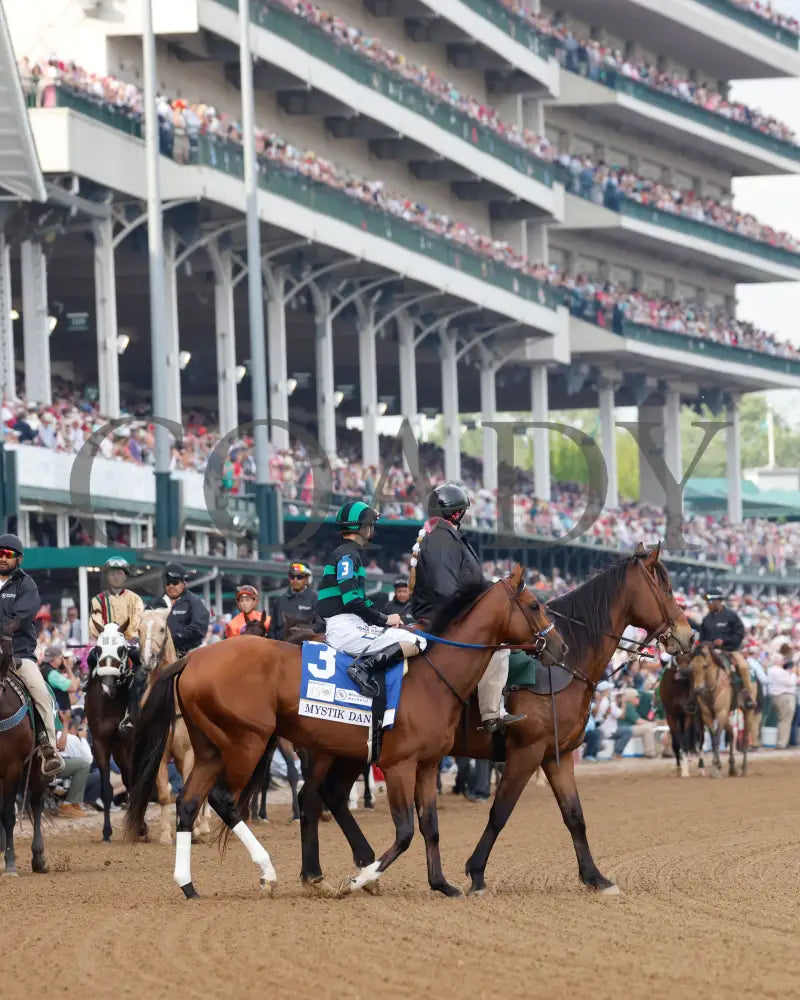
26	708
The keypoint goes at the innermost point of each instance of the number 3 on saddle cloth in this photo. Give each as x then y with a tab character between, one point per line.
326	692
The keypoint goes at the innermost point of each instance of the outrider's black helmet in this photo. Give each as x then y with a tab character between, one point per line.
449	501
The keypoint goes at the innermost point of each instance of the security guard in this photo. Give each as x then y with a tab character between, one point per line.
19	602
443	563
188	616
400	601
724	629
298	603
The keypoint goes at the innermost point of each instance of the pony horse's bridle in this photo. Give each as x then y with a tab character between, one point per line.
541	636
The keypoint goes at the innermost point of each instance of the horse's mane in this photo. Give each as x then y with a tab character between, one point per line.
591	604
455	607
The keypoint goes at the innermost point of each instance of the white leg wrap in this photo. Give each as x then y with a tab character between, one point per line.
366	875
183	858
258	853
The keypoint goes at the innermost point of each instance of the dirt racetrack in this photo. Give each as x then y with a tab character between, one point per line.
709	870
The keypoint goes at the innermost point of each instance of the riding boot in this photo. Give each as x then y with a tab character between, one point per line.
361	670
499	723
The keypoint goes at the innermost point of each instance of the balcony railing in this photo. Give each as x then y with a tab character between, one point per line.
669	102
361	69
540	45
751	20
709	349
228	157
618	202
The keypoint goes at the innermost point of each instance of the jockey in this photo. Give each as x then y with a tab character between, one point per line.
116	603
19	602
724	629
352	623
298	602
247	602
444	561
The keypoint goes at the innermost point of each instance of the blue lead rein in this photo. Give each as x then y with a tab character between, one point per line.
473	645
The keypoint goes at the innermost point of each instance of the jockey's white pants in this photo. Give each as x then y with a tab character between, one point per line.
353	635
490	686
31	677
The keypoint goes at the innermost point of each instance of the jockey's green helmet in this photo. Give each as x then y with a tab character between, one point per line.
354	516
117	562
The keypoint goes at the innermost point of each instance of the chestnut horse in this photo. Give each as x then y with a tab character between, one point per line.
717	701
683	719
18	764
236	696
592	618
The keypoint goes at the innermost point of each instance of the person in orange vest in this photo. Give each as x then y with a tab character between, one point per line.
247	602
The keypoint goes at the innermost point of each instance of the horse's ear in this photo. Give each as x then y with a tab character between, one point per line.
653	556
640	550
517	577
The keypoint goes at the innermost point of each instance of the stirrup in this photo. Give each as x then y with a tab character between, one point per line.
359	675
498	725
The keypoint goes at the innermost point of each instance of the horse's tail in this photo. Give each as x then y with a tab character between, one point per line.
153	727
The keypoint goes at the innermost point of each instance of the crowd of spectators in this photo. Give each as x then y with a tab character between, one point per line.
768	12
181	123
596	60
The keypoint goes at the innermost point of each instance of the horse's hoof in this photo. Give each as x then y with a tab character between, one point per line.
476	892
373	888
346	886
451	891
189	891
40	868
269	887
106	838
10	873
165	839
610	890
320	887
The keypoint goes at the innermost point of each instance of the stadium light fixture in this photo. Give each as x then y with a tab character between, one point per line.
122	343
291	385
241	371
382	408
52	323
14	315
184	358
338	398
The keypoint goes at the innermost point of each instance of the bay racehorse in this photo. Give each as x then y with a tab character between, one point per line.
236	696
592	619
105	704
717	701
683	717
20	766
157	651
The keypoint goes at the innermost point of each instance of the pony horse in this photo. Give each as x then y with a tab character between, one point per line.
20	765
237	696
157	652
717	702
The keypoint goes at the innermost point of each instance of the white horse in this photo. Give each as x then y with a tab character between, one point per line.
158	651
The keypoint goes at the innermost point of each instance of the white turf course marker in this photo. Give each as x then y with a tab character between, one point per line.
183	858
258	853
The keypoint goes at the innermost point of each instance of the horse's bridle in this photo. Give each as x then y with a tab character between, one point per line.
541	635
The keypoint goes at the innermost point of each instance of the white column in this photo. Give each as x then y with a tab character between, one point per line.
608	435
489	414
650	490
541	436
225	333
174	409
407	358
672	433
326	388
105	307
734	449
368	384
35	329
452	424
8	380
276	355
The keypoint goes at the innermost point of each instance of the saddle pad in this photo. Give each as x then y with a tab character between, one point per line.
526	672
326	692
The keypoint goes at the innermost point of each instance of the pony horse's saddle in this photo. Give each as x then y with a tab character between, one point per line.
26	708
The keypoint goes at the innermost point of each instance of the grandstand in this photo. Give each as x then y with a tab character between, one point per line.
473	207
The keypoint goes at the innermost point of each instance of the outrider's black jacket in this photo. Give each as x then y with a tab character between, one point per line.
446	564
